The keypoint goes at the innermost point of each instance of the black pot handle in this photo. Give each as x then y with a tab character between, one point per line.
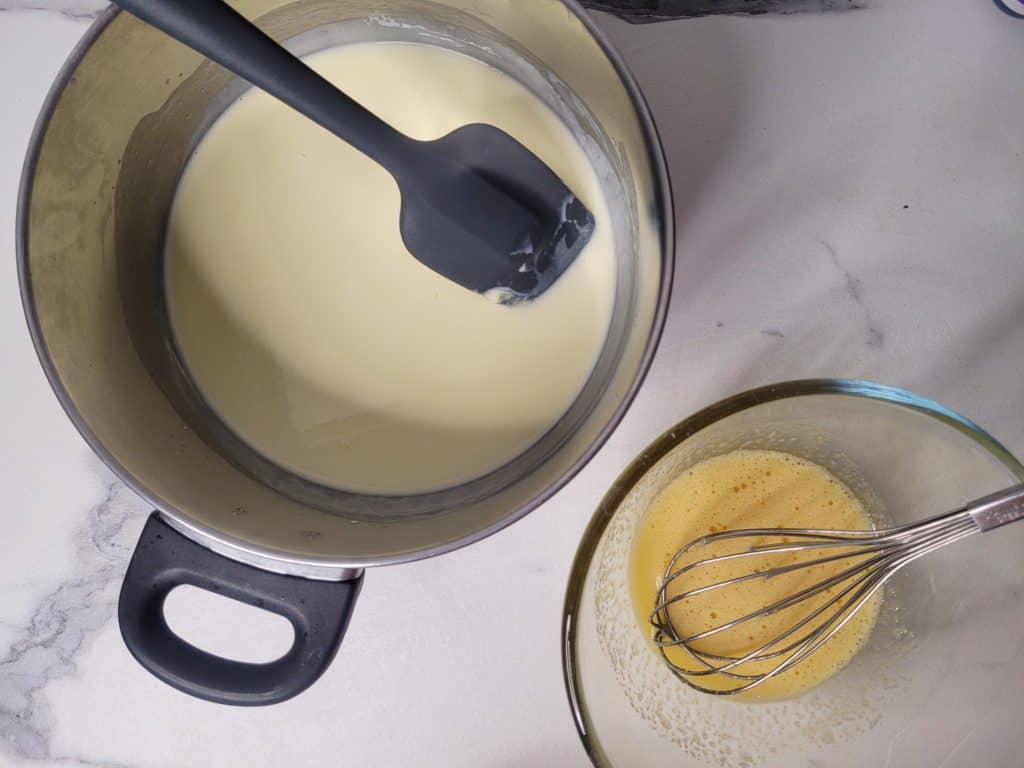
646	11
318	611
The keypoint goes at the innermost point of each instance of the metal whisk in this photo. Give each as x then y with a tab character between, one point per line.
877	555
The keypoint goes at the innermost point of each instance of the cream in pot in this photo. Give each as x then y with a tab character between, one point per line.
314	334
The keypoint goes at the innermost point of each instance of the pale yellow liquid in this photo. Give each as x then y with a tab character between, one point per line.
748	489
317	337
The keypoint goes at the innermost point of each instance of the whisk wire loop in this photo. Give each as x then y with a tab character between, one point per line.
879	554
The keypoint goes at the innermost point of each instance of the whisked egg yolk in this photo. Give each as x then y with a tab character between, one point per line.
739	490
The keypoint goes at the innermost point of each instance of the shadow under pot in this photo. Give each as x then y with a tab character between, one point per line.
109	148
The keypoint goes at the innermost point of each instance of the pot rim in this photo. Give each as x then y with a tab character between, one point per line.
323	567
679	433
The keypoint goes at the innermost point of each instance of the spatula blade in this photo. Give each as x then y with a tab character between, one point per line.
481	209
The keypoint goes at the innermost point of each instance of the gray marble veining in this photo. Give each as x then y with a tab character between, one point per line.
63	620
72	9
852	286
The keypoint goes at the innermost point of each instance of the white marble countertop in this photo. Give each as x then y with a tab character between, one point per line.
849	193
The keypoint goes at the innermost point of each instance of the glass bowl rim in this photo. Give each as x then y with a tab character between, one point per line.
681	432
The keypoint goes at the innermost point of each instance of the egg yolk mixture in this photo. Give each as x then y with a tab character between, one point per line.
738	490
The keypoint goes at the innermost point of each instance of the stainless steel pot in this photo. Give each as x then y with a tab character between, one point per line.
114	134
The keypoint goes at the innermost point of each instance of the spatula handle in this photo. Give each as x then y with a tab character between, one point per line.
216	30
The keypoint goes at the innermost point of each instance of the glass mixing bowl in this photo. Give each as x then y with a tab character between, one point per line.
939	679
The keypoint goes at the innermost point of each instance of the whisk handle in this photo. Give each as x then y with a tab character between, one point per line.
998	509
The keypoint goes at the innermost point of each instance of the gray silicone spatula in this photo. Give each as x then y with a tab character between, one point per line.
477	206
